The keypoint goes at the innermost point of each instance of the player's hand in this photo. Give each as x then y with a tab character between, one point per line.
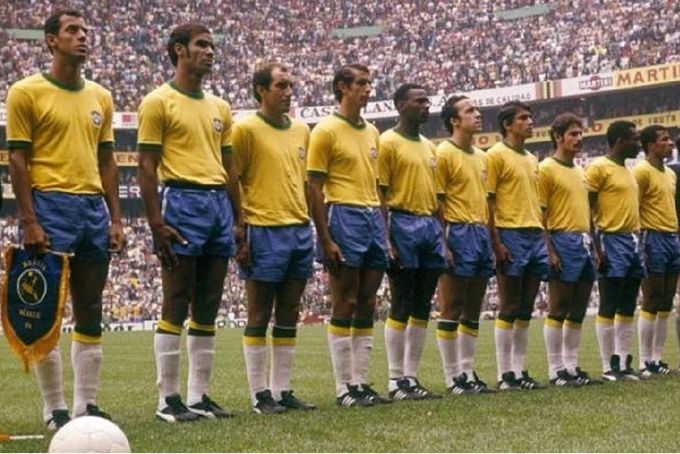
448	254
600	260
243	255
36	241
555	262
502	256
393	255
164	236
332	255
117	240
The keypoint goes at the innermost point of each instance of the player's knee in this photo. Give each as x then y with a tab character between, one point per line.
421	312
87	332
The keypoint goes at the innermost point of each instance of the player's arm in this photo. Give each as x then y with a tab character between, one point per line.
108	172
600	255
229	165
20	125
392	252
332	254
441	179
500	251
150	140
239	156
544	188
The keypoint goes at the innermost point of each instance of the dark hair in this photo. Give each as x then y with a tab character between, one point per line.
450	111
182	34
346	75
402	91
262	77
619	129
508	112
561	124
650	134
53	22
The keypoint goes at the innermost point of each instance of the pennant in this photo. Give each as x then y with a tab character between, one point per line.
33	300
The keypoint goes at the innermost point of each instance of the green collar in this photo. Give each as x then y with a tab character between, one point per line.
286	121
77	87
192	94
406	136
615	161
470	151
516	150
360	125
559	161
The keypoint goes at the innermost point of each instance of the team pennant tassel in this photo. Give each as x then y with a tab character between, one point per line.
33	300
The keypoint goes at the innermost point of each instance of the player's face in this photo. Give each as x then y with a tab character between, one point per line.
416	106
631	147
200	53
522	125
664	144
470	118
71	41
572	142
280	92
359	90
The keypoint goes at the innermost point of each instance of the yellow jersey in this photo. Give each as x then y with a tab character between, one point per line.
406	168
62	128
461	178
190	130
617	196
513	178
347	154
563	194
270	161
657	197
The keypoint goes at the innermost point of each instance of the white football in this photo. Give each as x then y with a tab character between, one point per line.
90	434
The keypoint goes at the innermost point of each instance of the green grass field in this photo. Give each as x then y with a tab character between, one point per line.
638	417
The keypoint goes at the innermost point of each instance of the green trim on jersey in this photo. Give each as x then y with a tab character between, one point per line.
77	87
192	94
408	137
361	125
18	144
149	147
288	122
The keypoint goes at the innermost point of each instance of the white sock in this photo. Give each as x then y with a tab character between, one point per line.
255	353
623	336
447	340
49	376
503	336
283	352
395	344
361	355
340	346
467	347
553	336
86	359
201	353
604	328
571	342
646	325
660	334
520	340
166	348
415	342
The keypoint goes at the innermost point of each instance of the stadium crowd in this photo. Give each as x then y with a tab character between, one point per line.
454	46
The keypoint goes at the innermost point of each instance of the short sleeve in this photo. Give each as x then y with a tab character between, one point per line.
320	150
494	167
20	119
385	163
227	121
543	185
150	128
106	132
441	172
594	177
642	179
241	147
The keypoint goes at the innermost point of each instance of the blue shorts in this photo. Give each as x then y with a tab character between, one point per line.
360	234
279	253
418	239
575	255
623	255
662	252
471	247
527	251
203	217
75	223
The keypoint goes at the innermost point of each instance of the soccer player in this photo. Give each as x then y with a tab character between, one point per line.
659	222
515	225
406	163
567	224
276	253
461	190
613	195
352	244
184	142
60	138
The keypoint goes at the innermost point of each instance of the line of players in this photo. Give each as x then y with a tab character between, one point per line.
451	217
